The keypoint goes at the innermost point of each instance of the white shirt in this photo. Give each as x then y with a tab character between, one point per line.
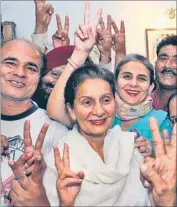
12	127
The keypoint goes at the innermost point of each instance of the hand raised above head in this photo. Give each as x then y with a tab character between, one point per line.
104	36
85	35
68	183
119	40
43	12
61	37
104	40
160	171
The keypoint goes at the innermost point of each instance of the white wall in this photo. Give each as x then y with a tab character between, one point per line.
138	15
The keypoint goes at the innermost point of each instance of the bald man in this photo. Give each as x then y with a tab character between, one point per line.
21	66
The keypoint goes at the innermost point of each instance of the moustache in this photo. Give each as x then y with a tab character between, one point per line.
168	70
51	85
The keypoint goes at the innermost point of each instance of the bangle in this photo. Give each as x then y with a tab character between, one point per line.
73	64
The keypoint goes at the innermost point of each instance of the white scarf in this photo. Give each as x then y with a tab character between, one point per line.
114	182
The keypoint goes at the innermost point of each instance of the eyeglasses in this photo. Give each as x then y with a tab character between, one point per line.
173	120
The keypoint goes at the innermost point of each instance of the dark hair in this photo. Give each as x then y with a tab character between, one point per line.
169	100
83	73
1	32
43	68
139	58
169	40
42	55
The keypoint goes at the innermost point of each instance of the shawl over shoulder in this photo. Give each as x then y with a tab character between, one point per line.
114	182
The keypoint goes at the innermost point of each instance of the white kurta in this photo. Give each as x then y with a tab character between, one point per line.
114	182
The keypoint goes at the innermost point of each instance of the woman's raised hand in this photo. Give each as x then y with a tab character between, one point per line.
85	35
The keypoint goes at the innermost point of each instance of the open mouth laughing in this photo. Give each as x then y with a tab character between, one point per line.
132	92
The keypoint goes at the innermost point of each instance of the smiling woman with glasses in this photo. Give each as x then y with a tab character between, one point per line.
172	111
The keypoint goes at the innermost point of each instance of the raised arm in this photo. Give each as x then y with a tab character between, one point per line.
43	14
104	40
61	36
119	42
84	39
